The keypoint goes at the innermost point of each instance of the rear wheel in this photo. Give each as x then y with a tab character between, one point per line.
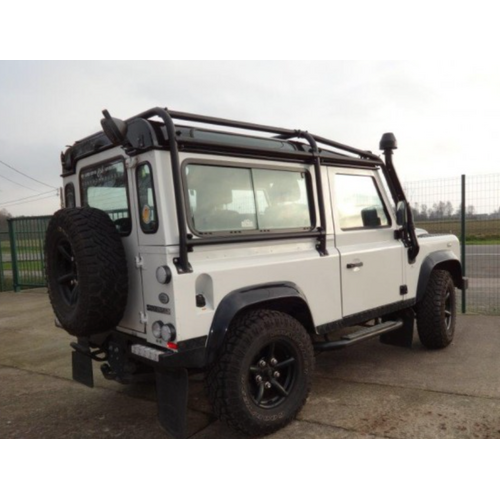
436	313
262	377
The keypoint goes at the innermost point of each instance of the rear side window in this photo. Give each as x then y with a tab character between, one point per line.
359	203
105	187
148	214
235	199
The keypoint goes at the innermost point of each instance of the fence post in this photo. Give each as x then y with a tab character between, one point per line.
2	279
462	241
13	251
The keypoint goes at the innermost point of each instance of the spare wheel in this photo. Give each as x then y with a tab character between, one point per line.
86	270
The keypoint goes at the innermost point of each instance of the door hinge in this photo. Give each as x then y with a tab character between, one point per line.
139	262
403	290
143	318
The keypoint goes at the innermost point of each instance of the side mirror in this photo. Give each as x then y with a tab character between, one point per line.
115	129
402	213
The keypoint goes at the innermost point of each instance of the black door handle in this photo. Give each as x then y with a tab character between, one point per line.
354	264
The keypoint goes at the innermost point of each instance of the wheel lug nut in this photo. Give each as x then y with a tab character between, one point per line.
276	374
262	363
274	361
267	385
258	379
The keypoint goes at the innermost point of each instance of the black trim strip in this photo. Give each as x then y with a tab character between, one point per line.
198	146
363	316
251	237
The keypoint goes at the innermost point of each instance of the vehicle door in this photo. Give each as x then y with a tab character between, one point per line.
371	259
107	186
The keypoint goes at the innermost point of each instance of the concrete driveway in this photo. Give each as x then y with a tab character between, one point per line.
367	391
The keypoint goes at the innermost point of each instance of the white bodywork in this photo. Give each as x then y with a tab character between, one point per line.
332	290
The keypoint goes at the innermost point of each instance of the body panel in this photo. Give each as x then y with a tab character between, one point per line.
331	290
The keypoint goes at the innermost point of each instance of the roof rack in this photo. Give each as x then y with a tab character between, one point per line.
280	133
174	137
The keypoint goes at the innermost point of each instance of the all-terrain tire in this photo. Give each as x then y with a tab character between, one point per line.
270	345
86	270
436	313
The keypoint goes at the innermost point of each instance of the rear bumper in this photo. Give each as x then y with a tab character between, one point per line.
190	354
117	350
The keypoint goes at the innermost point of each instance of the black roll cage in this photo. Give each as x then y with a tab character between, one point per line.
320	157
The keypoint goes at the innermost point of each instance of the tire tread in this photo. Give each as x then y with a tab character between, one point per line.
102	269
224	394
430	311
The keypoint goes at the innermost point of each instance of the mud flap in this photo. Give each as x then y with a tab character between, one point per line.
404	336
172	395
82	368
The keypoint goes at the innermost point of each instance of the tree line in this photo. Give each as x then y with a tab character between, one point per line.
446	210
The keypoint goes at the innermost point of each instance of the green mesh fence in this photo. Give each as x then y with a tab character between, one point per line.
468	207
25	267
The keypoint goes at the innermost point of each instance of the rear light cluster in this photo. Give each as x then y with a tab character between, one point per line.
164	275
163	331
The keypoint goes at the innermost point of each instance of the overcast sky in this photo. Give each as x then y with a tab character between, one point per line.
446	116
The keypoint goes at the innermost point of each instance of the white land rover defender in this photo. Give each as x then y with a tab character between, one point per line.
188	248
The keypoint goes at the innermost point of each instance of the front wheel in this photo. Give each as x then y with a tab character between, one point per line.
262	376
436	313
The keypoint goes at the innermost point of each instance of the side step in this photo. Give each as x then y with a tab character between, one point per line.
360	335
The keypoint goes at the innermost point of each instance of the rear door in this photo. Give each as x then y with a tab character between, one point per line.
371	259
106	186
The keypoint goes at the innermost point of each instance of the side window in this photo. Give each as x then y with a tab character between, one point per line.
69	196
359	203
105	187
235	199
221	198
282	199
148	213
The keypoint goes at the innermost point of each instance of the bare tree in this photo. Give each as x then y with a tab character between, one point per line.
438	210
470	211
4	215
448	209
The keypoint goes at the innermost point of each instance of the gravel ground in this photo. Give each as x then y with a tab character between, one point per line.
367	391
